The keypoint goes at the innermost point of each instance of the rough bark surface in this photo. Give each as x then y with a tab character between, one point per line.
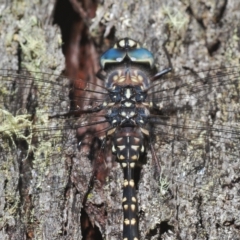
41	194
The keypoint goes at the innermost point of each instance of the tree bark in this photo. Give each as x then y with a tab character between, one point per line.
42	193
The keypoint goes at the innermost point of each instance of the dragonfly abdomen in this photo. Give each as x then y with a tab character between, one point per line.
128	147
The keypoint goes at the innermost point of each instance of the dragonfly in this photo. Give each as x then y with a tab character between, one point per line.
59	133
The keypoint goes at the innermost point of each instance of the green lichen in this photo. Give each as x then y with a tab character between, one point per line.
176	19
14	126
163	186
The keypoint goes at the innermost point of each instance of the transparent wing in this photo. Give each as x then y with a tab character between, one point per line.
202	116
195	133
39	154
196	137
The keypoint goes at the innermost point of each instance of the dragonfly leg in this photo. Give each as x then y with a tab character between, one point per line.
160	74
157	167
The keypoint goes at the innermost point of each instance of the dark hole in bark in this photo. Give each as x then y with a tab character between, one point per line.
89	232
213	47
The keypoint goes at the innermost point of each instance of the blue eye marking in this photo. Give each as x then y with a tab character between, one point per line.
127	48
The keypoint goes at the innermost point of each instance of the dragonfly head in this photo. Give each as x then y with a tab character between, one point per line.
127	48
